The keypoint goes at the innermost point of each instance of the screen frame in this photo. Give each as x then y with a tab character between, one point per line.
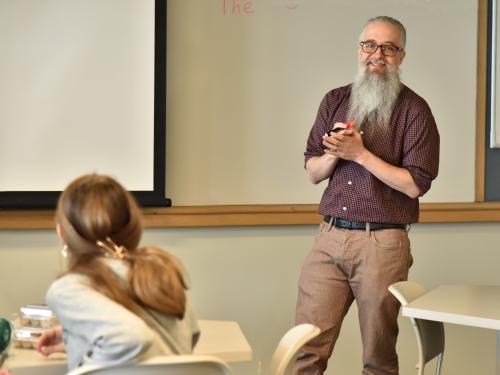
151	198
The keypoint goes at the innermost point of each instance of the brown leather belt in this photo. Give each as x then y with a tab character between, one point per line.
360	225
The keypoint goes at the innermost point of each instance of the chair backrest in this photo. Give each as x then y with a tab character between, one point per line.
430	334
289	347
162	365
407	291
5	334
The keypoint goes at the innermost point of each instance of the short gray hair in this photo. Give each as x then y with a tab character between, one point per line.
392	21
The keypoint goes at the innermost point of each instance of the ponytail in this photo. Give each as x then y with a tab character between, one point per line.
156	281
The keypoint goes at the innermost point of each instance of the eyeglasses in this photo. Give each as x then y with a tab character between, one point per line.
387	49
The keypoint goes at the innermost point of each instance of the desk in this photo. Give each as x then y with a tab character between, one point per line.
476	306
223	339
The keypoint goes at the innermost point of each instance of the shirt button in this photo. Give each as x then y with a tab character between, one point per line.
344	208
349	182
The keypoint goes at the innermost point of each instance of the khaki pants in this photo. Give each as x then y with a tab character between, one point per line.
347	265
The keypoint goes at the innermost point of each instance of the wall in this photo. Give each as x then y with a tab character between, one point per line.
250	275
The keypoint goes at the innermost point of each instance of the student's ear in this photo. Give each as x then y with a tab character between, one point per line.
59	232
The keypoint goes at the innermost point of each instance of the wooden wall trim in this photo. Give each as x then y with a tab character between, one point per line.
482	48
254	215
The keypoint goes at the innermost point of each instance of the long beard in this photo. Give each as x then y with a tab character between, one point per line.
373	97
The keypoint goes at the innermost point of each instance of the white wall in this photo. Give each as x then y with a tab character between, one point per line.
250	275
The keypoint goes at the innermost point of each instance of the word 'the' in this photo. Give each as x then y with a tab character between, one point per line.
230	7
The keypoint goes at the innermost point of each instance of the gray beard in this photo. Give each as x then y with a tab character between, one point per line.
373	97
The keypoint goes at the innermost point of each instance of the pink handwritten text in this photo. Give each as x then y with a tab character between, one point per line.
233	7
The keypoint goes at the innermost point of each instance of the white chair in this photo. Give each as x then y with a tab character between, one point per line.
430	334
162	365
289	347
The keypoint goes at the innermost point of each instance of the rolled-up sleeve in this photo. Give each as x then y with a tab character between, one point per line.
333	108
314	145
421	150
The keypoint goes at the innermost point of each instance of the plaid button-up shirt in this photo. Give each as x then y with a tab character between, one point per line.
411	141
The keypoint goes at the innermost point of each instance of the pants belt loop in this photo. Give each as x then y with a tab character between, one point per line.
331	222
368	229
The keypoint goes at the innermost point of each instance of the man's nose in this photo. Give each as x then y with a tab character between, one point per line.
378	53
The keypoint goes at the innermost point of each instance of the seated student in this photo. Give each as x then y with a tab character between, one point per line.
116	302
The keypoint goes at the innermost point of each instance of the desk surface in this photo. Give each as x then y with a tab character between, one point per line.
477	306
222	339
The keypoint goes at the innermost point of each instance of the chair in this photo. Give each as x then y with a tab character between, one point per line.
430	334
289	346
161	365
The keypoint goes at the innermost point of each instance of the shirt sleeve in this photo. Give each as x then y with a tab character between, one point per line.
421	149
314	145
333	106
112	334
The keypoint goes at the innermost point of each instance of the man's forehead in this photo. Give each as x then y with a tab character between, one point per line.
382	32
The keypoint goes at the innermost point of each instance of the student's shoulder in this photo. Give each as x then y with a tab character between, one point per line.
68	283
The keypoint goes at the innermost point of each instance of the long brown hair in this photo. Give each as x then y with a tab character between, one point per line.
98	218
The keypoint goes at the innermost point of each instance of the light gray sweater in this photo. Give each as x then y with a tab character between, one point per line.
99	331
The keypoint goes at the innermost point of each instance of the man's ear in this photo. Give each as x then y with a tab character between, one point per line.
402	57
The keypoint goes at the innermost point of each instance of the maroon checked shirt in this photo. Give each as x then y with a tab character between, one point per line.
411	141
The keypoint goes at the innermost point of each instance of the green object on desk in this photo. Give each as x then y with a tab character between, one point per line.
5	334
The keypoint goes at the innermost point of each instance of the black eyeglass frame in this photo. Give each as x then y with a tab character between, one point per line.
383	48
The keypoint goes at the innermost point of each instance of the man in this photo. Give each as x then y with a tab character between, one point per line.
377	168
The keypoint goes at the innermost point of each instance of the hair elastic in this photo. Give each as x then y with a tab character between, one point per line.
114	250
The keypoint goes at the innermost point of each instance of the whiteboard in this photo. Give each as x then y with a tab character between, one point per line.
245	78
